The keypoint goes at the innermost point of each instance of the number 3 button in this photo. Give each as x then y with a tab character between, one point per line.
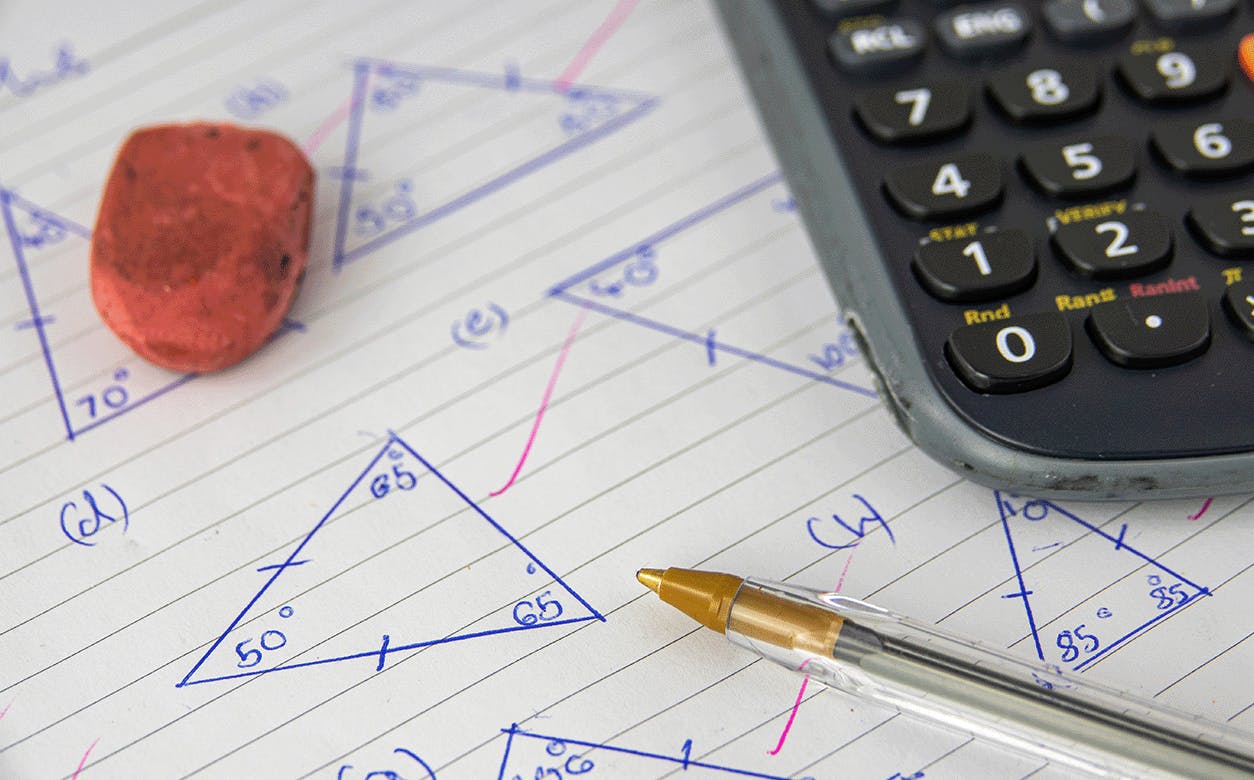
1130	244
1010	356
945	187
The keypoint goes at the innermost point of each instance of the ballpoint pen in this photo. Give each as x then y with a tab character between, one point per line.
958	683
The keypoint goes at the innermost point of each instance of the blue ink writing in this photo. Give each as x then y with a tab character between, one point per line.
819	528
112	397
394	89
252	102
80	524
1070	650
836	354
395	209
640	272
65	65
382	484
544	609
271	639
391	774
588	109
480	326
574	764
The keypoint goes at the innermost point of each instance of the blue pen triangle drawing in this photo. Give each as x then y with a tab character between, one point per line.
423	142
402	561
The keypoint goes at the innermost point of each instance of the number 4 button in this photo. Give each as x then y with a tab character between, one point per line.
945	187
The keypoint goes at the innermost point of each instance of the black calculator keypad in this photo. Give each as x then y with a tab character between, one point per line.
1151	332
1176	76
1190	15
1238	302
990	266
922	111
842	8
1072	177
1206	148
1225	225
946	186
1055	92
1080	168
1085	22
1125	245
1012	355
983	30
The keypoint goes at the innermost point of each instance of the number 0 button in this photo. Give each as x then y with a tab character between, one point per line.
1129	244
1010	356
945	187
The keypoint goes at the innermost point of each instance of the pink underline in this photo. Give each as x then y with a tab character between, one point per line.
544	402
1202	511
83	761
791	717
6	709
840	583
333	121
602	34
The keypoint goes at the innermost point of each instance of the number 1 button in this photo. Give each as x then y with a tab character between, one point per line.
945	187
995	265
1010	356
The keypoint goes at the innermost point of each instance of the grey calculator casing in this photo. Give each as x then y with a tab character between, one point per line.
843	239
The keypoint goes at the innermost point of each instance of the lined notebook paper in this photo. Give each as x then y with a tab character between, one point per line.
561	322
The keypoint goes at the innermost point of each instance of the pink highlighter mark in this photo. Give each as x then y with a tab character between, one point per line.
840	583
1202	511
333	121
83	761
544	402
6	709
598	39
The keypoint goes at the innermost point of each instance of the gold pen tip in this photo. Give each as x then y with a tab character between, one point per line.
650	578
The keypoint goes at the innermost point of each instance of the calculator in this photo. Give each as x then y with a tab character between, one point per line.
1038	221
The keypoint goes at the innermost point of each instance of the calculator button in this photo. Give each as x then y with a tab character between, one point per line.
997	264
1088	21
1047	93
1239	303
842	8
1013	355
1202	148
1190	15
1129	244
987	30
1225	225
1080	168
1174	76
914	113
945	187
878	48
1161	330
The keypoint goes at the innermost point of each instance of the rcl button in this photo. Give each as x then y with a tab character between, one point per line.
882	47
983	31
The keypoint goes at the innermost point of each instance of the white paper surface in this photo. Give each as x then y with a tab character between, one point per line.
297	568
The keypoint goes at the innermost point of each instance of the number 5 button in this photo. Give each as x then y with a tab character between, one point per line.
945	187
1010	356
1129	244
1081	168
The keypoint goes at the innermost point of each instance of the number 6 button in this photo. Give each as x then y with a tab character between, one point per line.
945	187
1129	244
1208	148
1010	356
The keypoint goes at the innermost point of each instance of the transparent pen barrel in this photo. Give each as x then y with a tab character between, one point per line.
972	688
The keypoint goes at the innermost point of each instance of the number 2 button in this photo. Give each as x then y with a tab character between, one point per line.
1010	356
945	187
1129	244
